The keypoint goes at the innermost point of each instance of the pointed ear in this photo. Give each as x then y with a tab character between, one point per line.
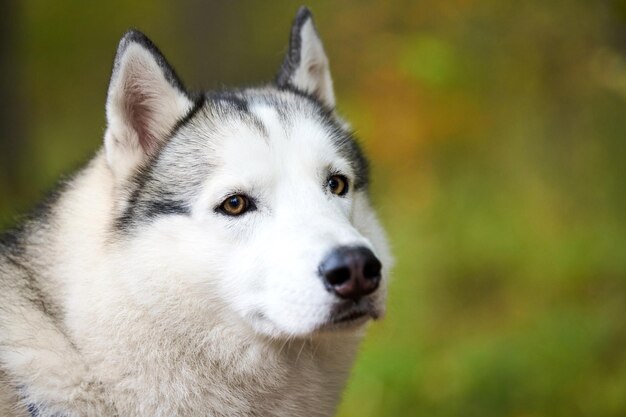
144	102
305	66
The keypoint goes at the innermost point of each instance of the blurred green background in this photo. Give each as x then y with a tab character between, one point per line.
497	131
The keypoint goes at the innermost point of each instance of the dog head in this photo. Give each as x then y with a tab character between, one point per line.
253	200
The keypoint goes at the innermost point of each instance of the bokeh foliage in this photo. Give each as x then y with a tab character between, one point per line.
497	131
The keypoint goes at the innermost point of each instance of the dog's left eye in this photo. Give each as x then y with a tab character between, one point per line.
338	185
236	205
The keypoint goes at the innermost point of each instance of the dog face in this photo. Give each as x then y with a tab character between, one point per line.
254	200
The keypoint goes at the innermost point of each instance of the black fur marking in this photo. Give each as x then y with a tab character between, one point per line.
311	97
198	101
350	149
141	209
156	208
238	101
230	97
11	240
137	182
293	56
135	36
23	279
143	205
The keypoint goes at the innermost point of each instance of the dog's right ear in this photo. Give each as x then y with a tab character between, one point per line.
144	102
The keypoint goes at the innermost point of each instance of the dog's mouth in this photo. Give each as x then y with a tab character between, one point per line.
351	314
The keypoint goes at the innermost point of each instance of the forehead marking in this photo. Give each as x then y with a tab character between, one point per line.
275	125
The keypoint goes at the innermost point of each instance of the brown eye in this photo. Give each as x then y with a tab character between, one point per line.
235	205
338	185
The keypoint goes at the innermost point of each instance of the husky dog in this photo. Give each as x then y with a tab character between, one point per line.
218	257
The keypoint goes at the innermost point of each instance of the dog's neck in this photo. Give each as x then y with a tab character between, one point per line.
222	372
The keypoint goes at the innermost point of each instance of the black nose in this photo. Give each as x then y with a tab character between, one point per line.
351	272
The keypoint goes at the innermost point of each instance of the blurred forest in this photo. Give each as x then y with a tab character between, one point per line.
497	131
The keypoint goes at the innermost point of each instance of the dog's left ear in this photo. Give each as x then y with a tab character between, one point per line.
145	101
305	66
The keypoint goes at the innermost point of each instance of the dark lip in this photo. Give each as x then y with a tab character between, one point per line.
350	316
351	312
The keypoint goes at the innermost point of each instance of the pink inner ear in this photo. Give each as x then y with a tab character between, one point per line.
141	115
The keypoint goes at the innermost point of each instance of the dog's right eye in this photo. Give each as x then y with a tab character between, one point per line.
235	205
